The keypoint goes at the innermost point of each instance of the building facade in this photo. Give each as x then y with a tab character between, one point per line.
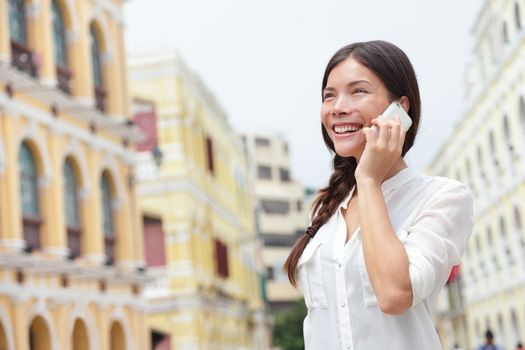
486	150
206	294
70	233
282	214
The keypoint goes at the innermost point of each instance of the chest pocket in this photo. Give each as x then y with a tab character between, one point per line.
310	275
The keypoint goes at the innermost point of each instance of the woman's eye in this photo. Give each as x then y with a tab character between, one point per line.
359	91
328	96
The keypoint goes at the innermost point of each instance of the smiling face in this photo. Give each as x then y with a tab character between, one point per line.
353	96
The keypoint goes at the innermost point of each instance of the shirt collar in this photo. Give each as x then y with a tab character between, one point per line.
399	179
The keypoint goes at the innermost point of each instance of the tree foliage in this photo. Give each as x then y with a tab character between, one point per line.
288	327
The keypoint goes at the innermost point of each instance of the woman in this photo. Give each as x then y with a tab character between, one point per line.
383	239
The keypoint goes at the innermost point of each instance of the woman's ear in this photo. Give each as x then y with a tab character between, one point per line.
405	103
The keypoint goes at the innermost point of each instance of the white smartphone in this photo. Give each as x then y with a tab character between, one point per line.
394	109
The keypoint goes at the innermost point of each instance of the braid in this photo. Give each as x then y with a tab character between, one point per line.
341	181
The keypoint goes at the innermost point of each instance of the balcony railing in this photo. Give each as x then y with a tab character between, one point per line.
32	232
100	98
73	241
109	246
24	59
64	76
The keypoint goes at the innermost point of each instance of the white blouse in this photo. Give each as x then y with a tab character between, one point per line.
433	218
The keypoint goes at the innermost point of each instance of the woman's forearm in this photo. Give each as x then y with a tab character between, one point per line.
385	256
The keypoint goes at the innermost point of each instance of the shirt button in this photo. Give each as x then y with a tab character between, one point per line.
348	346
339	265
343	304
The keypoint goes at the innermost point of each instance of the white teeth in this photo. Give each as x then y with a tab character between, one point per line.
346	128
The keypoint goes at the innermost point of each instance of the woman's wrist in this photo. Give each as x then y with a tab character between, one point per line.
366	181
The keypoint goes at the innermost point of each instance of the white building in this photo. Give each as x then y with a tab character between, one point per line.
487	151
282	214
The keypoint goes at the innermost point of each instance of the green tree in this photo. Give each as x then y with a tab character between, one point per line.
288	327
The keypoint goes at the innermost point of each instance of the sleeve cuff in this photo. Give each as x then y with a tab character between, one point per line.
422	278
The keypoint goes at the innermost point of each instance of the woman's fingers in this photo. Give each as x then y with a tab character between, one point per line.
388	133
395	130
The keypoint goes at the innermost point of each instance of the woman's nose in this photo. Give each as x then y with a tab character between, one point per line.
341	106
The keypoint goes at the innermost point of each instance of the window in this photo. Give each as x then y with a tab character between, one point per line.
21	56
492	142
284	175
107	218
160	340
517	219
221	256
505	240
275	207
481	164
17	22
505	33
29	197
269	273
59	39
299	205
506	130
264	172
501	328
517	16
100	93
71	208
522	113
154	241
262	142
209	154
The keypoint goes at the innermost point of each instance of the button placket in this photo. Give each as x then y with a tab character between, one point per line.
345	327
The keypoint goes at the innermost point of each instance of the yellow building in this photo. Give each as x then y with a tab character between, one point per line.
207	294
70	236
487	152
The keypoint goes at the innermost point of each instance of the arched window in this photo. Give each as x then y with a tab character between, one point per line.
518	228
107	218
521	112
21	56
507	139
29	197
61	59
468	169
505	240
117	338
492	142
39	335
17	22
71	208
501	327
100	93
506	129
517	15
493	150
80	336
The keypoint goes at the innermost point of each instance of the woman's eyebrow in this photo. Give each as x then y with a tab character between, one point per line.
350	84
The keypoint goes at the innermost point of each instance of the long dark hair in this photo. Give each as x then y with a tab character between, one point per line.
392	66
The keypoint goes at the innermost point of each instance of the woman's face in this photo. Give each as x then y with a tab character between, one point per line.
353	96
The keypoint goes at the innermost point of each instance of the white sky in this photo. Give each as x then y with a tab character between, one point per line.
264	59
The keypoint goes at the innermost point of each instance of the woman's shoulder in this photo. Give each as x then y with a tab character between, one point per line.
440	186
446	183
